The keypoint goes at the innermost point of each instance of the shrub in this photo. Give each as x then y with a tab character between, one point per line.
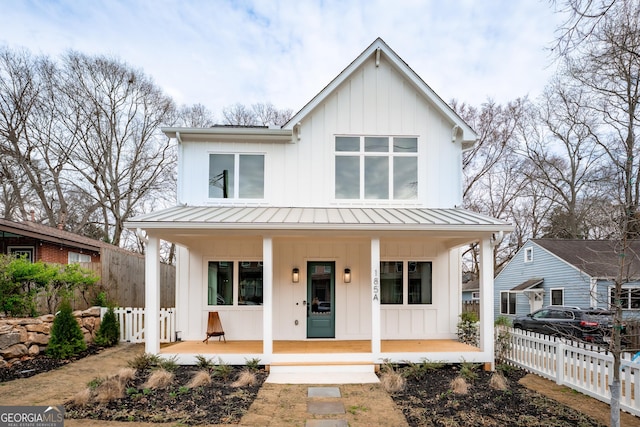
245	378
200	379
459	386
144	361
108	334
203	362
468	329
110	389
392	381
420	370
498	381
253	364
159	379
468	371
66	339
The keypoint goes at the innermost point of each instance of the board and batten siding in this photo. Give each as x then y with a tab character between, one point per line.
557	274
372	101
353	301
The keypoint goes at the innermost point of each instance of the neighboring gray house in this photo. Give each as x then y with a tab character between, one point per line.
471	290
578	273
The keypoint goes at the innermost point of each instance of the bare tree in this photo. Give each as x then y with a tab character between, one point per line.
561	141
195	116
259	114
600	44
119	151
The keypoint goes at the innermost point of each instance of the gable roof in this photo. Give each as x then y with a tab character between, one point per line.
462	132
50	234
528	284
596	258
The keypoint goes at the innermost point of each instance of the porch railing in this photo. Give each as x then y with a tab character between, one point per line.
131	320
585	368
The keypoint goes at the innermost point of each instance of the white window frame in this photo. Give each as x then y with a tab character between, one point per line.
390	155
528	255
81	257
624	287
236	175
551	296
475	295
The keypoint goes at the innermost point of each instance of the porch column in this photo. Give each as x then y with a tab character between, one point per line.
375	297
152	296
267	296
486	299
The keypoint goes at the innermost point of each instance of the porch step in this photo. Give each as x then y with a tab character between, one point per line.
323	373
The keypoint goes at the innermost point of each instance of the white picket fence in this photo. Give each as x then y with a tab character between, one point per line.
585	368
131	321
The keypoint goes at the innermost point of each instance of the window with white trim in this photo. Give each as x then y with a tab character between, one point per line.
507	302
629	297
557	296
376	168
74	257
528	255
236	176
234	283
475	295
406	282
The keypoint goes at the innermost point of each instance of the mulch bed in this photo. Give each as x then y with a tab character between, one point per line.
30	366
430	401
215	403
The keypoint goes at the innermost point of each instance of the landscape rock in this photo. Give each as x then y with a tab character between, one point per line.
34	350
43	328
16	350
36	338
9	339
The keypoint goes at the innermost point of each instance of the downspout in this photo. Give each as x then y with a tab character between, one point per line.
180	180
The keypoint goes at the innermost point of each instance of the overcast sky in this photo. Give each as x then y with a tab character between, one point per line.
220	52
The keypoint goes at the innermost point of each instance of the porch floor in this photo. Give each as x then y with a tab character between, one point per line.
315	346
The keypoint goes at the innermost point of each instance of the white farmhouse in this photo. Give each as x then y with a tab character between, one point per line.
333	239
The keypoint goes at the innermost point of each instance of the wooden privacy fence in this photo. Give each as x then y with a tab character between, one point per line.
471	307
122	276
132	324
585	368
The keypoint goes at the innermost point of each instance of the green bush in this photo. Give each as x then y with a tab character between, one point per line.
108	333
468	329
66	339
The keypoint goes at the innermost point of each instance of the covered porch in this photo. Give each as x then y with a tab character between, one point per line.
400	301
321	351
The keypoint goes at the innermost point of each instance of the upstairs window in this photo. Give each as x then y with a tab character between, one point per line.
376	168
528	255
236	176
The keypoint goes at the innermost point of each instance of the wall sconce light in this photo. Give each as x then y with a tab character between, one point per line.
347	275
295	275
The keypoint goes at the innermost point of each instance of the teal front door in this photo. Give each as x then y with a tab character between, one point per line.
321	300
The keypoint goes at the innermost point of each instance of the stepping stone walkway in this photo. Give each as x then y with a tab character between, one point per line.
325	401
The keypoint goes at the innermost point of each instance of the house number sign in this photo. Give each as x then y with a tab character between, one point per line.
376	286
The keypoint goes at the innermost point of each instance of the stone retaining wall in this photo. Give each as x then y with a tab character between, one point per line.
22	338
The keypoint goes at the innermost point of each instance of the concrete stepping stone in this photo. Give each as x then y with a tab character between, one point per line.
322	407
326	423
323	392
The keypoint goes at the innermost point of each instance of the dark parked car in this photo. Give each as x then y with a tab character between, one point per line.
590	325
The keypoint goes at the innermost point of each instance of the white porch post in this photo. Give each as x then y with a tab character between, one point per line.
152	296
267	296
375	297
486	299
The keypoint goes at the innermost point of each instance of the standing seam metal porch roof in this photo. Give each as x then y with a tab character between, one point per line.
279	218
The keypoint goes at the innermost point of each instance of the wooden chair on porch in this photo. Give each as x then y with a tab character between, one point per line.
214	327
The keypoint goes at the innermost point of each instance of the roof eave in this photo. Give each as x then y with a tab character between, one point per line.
227	134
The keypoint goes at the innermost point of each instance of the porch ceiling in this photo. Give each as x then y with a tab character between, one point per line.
458	225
